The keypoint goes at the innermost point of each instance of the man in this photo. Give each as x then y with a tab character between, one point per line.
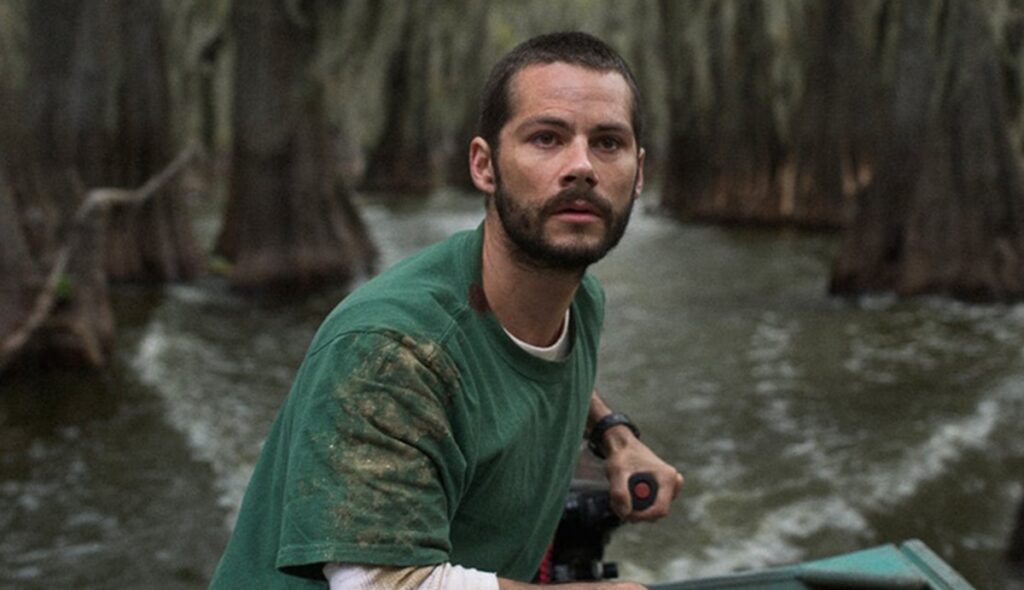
433	428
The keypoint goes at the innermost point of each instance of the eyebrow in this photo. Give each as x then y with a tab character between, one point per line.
614	128
547	120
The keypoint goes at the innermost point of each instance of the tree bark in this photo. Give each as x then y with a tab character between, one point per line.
40	163
1015	549
834	117
71	322
724	150
19	279
400	162
467	68
945	212
288	222
688	170
47	190
120	130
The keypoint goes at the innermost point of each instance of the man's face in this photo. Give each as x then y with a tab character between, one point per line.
568	169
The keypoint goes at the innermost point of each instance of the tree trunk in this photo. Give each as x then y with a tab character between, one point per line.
18	278
78	327
748	148
17	269
467	68
835	114
400	162
724	150
120	130
40	163
1015	549
688	169
945	213
78	330
287	222
68	318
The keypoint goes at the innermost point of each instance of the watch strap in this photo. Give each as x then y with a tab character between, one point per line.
595	439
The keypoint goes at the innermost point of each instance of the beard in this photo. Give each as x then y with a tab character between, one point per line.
525	229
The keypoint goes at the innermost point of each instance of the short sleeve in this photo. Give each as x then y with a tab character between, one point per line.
374	471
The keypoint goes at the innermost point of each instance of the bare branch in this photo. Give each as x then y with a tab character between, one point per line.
97	202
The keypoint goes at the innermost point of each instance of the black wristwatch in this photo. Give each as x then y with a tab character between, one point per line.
595	439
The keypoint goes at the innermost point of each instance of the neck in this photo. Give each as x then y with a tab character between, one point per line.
529	302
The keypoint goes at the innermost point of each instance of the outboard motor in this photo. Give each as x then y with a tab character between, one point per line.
577	552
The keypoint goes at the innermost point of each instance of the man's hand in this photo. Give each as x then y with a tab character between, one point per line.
628	456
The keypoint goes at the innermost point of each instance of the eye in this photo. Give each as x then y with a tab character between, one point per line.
544	139
608	143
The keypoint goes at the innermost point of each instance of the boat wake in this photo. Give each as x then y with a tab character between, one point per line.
840	516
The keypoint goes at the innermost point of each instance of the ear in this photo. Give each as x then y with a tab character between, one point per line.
481	166
641	156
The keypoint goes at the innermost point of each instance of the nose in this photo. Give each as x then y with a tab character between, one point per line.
579	169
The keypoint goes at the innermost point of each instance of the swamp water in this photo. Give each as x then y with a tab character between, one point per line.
806	426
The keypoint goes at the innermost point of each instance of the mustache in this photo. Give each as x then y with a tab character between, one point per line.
570	196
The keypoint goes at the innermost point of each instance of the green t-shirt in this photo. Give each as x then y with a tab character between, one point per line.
416	433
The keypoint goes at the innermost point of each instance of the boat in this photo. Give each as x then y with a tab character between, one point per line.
909	566
577	554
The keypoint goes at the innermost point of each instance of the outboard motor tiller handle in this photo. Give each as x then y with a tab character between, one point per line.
643	490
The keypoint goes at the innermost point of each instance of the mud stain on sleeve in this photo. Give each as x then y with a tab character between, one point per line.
392	417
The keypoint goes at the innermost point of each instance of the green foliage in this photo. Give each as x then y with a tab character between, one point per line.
65	289
220	266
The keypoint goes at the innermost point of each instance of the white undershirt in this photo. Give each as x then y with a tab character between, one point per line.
556	352
348	576
431	577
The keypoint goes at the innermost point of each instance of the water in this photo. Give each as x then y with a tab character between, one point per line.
806	426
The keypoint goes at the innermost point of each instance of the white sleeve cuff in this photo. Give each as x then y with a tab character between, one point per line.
347	576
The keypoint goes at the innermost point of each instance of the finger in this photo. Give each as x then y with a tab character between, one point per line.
622	509
667	490
618	491
621	502
678	487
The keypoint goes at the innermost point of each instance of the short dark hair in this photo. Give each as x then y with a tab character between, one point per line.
575	48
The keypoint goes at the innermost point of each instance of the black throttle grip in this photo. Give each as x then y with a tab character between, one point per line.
643	491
